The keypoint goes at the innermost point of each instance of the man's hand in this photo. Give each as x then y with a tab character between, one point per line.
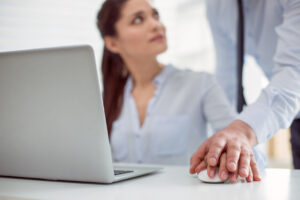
237	141
223	172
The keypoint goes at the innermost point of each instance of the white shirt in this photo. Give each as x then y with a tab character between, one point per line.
272	37
176	122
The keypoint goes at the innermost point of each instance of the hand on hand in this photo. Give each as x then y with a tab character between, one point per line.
231	150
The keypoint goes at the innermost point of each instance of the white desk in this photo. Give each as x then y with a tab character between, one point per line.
171	183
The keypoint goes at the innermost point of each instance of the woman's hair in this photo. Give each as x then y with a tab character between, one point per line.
113	69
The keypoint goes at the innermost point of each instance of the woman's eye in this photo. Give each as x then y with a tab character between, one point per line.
137	20
156	15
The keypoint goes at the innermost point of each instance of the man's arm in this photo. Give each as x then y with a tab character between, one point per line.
279	103
275	109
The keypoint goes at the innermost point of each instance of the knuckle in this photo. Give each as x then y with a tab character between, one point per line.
217	144
194	157
234	147
221	134
191	160
233	152
244	164
245	161
254	163
233	157
202	166
245	152
212	155
214	151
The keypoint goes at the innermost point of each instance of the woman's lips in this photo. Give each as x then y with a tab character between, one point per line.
157	38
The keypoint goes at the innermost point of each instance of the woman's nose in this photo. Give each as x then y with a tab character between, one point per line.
155	23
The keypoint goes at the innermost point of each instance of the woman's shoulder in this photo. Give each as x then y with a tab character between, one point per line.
187	81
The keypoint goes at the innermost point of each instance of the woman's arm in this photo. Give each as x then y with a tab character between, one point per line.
215	105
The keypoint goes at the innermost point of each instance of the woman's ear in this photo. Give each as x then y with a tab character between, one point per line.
111	44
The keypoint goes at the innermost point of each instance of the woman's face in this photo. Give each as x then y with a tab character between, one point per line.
139	30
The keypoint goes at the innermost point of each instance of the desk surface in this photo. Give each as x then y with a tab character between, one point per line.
171	183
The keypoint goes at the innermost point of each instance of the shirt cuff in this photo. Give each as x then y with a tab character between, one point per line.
258	118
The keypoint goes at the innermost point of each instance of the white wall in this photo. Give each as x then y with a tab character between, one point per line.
45	23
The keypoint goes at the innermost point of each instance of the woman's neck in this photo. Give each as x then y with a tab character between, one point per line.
143	71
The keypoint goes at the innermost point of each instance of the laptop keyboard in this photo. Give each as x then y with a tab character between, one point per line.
119	172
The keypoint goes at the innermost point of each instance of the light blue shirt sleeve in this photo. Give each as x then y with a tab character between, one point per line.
216	107
279	102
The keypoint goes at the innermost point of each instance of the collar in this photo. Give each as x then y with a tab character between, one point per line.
158	80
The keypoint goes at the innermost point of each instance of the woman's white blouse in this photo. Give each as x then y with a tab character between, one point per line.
185	104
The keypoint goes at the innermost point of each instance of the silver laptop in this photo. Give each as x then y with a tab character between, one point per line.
52	121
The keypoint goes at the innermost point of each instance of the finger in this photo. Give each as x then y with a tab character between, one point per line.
215	150
200	167
233	155
254	169
244	162
233	177
198	156
250	176
211	171
223	172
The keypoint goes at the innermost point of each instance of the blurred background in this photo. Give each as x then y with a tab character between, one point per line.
31	24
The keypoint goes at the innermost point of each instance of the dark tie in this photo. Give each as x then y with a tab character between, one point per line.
240	57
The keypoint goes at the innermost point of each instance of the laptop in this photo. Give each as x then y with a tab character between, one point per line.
52	121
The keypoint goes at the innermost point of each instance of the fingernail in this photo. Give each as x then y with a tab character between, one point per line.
232	178
224	175
257	178
250	178
213	161
236	177
244	171
232	165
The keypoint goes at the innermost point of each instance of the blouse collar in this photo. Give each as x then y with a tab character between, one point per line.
159	79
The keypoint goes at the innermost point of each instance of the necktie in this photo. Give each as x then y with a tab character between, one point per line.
240	57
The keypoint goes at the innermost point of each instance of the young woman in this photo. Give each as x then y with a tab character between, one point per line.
155	113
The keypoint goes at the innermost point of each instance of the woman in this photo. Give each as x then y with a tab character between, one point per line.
155	113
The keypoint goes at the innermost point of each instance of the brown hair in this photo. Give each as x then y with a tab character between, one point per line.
113	68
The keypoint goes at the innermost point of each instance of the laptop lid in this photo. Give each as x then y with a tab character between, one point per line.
52	122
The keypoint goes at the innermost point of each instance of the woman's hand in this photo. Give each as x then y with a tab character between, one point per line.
211	171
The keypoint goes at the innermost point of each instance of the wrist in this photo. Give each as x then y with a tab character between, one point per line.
247	131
